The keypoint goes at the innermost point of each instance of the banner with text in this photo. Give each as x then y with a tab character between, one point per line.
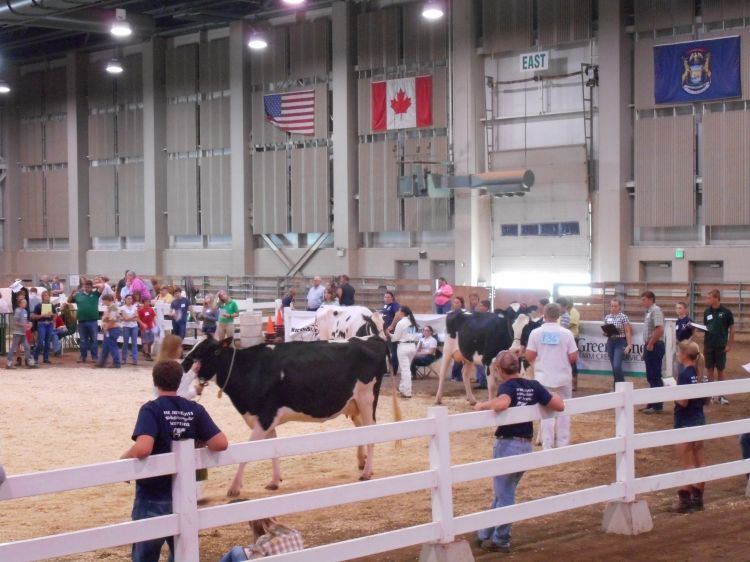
592	351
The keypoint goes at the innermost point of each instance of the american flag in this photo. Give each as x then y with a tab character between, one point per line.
292	111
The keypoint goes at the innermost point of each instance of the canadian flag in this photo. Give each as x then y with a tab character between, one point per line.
402	103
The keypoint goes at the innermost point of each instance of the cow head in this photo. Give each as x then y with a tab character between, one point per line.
205	353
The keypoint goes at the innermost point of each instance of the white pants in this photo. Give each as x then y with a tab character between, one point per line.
405	353
556	431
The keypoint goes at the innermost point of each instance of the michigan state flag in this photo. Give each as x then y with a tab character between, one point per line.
697	70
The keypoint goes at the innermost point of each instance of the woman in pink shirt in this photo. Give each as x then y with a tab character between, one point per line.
136	285
443	296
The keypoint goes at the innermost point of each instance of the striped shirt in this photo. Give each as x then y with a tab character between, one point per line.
619	321
654	317
565	320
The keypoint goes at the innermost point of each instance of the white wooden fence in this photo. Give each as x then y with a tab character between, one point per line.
188	519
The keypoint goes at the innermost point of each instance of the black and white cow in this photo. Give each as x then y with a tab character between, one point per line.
296	381
475	338
344	322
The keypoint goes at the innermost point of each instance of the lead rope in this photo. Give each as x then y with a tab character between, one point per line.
231	364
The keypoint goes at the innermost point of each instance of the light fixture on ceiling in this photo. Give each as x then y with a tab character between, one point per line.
4	88
114	67
120	27
432	10
257	41
294	2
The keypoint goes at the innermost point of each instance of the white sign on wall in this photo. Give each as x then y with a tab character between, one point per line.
532	62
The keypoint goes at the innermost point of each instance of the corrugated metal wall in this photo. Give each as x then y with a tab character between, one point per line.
717	10
665	172
310	190
297	198
726	168
102	201
564	21
423	43
662	14
270	194
269	65
102	136
216	197
32	204
378	38
379	205
57	203
130	199
182	197
506	25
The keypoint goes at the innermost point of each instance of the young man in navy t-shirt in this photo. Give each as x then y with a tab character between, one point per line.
514	439
180	307
161	421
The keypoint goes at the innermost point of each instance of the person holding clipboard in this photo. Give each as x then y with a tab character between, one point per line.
619	334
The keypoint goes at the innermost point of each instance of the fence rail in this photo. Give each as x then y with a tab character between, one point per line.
440	478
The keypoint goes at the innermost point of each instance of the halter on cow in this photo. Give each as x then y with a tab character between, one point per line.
296	381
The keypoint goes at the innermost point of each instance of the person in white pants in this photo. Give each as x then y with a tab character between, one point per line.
405	336
552	350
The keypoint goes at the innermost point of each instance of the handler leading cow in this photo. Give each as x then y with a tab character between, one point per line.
296	381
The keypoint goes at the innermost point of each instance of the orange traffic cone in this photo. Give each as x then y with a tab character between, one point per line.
279	317
269	326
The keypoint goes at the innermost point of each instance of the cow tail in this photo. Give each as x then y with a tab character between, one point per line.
397	413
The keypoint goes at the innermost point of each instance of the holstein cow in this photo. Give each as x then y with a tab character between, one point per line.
344	322
296	381
474	338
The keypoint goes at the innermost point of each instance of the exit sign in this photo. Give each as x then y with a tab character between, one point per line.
531	62
679	254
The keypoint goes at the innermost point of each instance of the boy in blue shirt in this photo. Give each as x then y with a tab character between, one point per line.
514	439
161	421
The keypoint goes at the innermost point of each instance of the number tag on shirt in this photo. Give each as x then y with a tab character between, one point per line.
550	338
710	317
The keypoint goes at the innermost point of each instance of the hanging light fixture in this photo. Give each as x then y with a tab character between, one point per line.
120	27
257	41
294	2
432	10
114	67
4	88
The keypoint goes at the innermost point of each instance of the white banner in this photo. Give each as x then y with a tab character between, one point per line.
592	351
300	325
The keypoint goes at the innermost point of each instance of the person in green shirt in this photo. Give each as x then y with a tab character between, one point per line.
719	338
228	311
87	303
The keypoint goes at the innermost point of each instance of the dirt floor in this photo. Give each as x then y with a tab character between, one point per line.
68	415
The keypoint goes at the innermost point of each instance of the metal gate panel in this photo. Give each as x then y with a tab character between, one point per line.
216	195
310	190
130	199
102	201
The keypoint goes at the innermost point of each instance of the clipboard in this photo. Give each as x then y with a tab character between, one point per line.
46	308
609	330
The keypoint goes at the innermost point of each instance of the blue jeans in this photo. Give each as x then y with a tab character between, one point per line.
179	329
148	551
653	361
109	346
88	330
237	554
44	331
457	371
443	308
505	488
130	334
616	351
481	376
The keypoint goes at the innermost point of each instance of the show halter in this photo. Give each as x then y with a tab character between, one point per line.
229	374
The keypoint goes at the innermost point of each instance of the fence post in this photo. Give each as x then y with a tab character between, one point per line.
184	502
447	549
627	516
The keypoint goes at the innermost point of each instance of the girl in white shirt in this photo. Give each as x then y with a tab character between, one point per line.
129	315
405	336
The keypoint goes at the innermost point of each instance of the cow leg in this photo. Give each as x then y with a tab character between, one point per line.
466	373
236	487
451	345
361	456
491	384
364	398
275	466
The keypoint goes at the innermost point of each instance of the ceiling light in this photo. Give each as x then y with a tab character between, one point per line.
294	2
257	41
114	67
120	27
432	11
4	88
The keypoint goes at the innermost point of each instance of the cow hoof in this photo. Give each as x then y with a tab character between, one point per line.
471	402
272	486
361	466
364	478
438	402
232	493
